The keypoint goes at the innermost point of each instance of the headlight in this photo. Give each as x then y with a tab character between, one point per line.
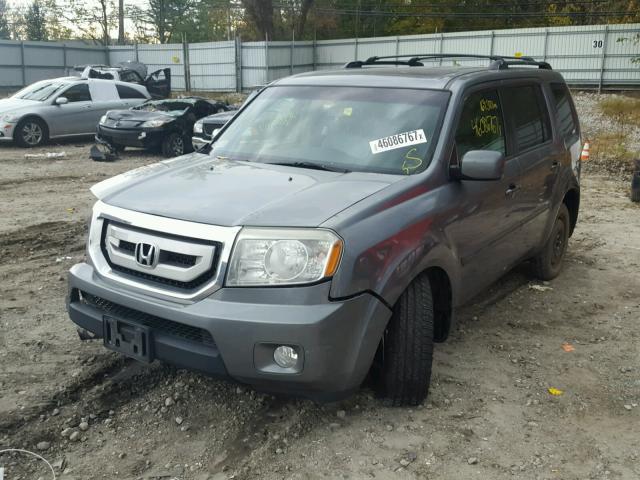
197	127
103	119
153	123
292	256
11	117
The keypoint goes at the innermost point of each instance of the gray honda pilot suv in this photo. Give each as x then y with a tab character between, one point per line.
335	224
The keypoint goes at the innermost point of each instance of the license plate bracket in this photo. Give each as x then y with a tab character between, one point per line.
128	338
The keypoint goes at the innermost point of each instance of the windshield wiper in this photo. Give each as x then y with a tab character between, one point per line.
311	165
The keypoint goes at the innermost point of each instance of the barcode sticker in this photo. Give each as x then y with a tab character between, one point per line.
399	140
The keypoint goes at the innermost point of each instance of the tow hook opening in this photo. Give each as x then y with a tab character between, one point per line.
86	334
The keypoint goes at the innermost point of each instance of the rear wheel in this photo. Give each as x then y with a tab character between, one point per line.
548	264
30	132
407	347
173	145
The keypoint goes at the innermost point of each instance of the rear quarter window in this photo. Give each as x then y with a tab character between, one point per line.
528	115
566	117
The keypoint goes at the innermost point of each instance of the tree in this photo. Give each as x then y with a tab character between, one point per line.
35	22
164	18
120	22
260	13
5	29
56	26
93	20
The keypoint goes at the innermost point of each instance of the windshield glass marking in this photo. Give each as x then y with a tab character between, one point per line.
332	128
399	140
411	163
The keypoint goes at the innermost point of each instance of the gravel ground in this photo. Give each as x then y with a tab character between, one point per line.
596	125
94	414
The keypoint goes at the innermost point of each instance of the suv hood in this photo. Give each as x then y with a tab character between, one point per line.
201	189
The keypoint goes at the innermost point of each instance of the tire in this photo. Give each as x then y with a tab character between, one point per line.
407	346
173	146
635	183
31	132
548	263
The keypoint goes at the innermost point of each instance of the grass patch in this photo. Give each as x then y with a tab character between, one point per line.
610	151
624	111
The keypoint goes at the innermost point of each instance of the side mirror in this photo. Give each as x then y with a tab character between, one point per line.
482	165
62	101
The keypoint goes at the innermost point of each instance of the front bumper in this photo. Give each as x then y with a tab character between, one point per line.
6	131
336	339
141	138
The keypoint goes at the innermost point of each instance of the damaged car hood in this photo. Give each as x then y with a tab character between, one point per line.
201	189
138	115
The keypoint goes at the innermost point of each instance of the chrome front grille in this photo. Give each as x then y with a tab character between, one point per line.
158	256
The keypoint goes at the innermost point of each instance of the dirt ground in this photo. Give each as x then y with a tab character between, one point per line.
489	414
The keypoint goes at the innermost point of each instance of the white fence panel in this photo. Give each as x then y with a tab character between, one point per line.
122	53
585	55
254	64
171	55
213	66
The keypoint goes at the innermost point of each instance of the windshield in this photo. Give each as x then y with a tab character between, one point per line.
385	130
170	108
40	91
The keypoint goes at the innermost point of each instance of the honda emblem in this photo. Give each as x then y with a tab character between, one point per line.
147	255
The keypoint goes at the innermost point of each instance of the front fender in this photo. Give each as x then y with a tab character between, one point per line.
388	245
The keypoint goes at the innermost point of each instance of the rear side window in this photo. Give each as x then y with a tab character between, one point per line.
481	126
128	92
529	116
565	115
78	93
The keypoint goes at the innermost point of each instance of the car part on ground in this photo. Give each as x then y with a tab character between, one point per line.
103	152
166	125
335	225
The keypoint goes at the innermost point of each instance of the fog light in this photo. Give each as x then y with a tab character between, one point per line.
285	357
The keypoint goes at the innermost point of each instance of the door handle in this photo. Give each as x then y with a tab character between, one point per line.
511	191
555	165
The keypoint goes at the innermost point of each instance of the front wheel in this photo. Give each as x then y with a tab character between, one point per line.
548	263
407	346
173	146
30	132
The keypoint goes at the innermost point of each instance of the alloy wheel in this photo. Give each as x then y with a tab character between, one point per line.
177	146
32	133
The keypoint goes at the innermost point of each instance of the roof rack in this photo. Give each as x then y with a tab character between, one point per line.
498	62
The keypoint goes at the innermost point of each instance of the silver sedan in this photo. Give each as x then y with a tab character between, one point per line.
63	107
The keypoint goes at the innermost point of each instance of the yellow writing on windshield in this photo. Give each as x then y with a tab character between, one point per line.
486	125
411	163
487	105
